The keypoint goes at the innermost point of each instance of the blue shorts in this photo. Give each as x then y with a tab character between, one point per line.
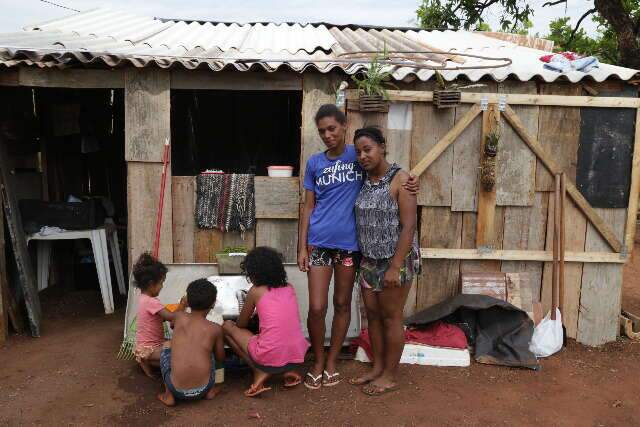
189	394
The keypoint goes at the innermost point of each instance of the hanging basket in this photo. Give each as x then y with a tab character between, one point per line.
446	98
373	103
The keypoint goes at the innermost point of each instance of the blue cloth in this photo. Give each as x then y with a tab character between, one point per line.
336	184
188	394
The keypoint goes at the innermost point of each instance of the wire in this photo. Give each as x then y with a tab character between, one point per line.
60	6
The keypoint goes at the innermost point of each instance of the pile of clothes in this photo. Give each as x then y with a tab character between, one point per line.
569	61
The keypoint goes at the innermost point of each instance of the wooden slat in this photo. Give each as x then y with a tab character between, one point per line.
559	135
485	227
634	192
516	164
358	119
525	229
469	230
516	99
399	123
430	148
9	77
206	243
280	234
72	78
4	313
517	255
147	114
277	197
439	227
183	191
236	239
573	192
206	80
601	292
316	90
466	160
143	191
575	231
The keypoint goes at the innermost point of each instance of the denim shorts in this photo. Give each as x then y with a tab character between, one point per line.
188	394
325	257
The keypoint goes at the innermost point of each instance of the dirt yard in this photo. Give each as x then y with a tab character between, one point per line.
70	376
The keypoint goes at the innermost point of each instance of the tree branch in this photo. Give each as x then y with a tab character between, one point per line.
553	3
575	29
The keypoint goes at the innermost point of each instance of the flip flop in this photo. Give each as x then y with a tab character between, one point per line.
359	381
375	390
254	391
329	380
315	383
292	381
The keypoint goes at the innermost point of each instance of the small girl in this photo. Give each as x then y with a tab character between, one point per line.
280	346
149	275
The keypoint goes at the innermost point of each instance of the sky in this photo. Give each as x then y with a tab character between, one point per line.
19	13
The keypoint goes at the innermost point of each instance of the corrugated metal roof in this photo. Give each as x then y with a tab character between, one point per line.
113	38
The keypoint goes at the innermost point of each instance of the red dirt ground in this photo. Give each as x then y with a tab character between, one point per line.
70	376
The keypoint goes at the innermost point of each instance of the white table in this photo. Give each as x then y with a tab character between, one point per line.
98	238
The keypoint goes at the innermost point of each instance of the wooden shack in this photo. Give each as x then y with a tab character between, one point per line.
547	123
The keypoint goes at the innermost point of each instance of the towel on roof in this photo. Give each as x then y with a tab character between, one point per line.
225	202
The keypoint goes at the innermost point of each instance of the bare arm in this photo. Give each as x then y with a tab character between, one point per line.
408	207
247	309
171	316
218	344
303	231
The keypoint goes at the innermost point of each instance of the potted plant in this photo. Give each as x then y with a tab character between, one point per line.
488	163
445	96
373	84
229	260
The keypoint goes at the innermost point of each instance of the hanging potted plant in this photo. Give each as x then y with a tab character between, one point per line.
488	162
372	86
445	96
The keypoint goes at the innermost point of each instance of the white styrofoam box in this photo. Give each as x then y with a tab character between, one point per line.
418	354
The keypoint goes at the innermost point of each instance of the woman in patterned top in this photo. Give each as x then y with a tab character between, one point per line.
386	225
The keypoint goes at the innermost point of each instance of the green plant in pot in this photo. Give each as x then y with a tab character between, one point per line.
229	260
372	85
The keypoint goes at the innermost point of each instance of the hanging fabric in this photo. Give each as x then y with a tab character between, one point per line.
225	201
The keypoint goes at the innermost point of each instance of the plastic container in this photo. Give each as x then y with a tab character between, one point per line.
280	171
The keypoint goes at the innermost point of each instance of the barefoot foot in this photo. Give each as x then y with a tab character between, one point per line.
167	398
212	393
146	368
366	378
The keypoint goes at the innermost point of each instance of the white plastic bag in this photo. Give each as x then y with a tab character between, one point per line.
547	336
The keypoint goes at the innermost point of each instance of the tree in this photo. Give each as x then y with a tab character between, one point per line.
619	22
565	39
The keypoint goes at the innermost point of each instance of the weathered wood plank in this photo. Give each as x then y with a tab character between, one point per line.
4	313
516	168
147	114
509	255
601	293
634	192
277	197
143	191
358	119
206	80
559	135
72	78
575	231
236	239
439	227
485	227
206	243
183	191
280	234
469	229
399	122
430	124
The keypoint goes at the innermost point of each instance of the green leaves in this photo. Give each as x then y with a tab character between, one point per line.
374	81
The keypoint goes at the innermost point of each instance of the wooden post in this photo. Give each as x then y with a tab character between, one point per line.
4	316
634	192
563	199
556	247
485	235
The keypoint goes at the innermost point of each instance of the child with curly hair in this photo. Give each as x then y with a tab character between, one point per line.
280	346
149	275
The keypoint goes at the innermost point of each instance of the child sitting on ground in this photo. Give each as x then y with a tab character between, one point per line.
188	363
149	275
280	346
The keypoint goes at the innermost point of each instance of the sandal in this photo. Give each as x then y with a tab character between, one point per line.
329	380
359	381
313	382
376	390
254	390
292	380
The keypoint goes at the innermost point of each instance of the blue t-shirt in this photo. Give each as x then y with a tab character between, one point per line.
336	184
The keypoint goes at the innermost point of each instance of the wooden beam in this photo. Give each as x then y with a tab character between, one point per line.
485	235
71	78
520	255
9	77
634	192
277	198
515	99
574	193
447	140
4	313
208	80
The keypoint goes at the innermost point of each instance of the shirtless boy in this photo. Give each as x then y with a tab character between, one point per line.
188	362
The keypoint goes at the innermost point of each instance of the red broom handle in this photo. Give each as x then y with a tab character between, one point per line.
165	161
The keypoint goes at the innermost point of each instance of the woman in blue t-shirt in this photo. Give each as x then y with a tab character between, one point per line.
327	240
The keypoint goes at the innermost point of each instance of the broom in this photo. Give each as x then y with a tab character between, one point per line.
126	351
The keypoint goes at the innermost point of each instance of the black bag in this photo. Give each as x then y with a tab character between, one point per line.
84	215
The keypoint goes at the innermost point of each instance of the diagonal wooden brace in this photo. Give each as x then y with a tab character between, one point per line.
535	146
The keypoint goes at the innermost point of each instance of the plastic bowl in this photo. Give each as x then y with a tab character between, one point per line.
280	171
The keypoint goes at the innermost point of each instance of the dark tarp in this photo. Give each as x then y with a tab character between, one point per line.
501	332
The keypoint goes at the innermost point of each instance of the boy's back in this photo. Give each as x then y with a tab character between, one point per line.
194	340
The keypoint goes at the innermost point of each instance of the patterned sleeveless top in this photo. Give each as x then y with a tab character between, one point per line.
378	218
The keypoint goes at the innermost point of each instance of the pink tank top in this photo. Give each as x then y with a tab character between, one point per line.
280	340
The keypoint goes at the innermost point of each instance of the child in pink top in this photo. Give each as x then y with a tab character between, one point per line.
149	275
280	346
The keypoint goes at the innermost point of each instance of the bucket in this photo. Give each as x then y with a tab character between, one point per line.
280	171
